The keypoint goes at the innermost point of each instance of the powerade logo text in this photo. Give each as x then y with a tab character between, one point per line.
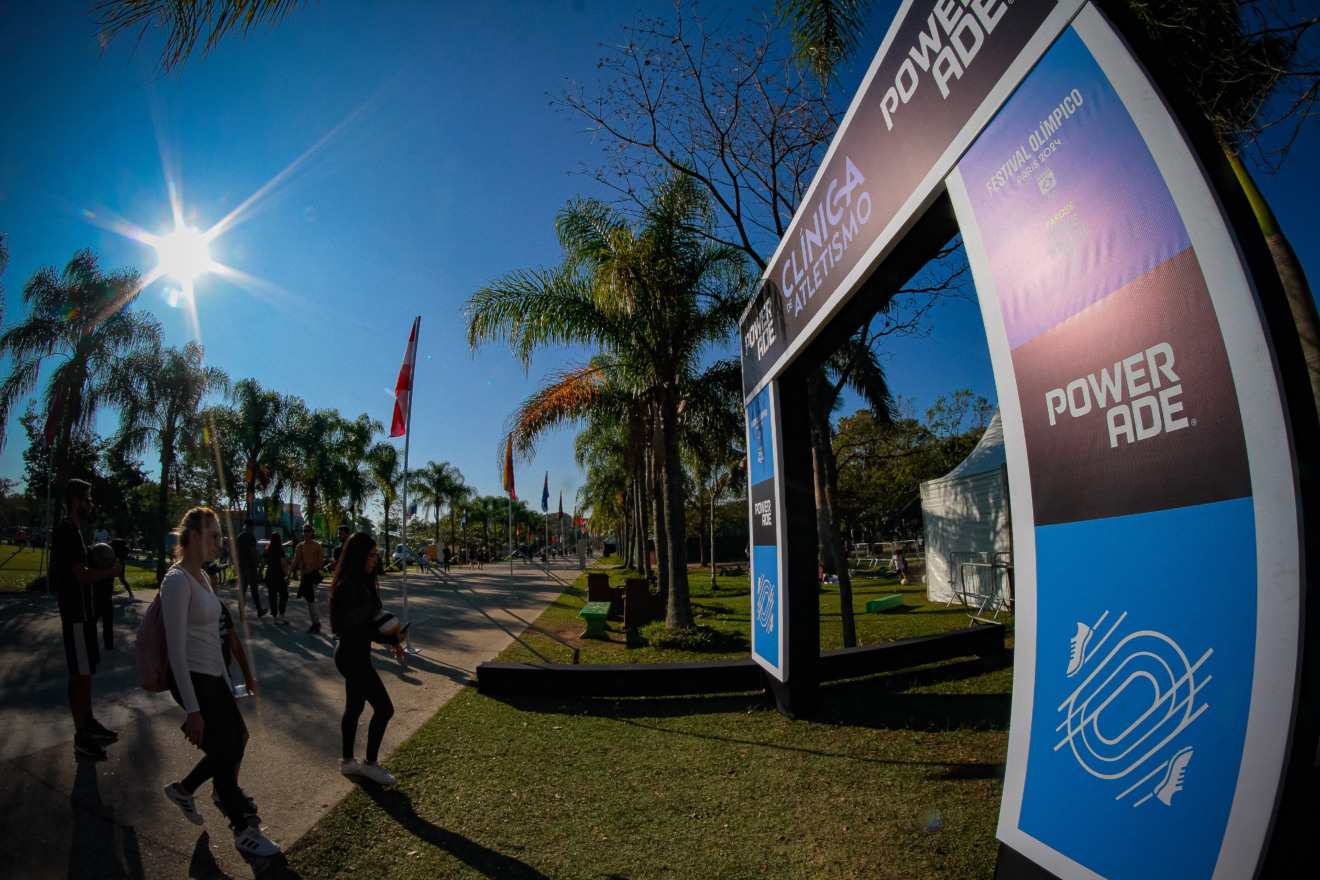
760	334
954	34
1152	389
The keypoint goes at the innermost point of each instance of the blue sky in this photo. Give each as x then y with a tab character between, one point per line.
402	159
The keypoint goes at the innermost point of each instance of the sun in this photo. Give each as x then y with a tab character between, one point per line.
183	254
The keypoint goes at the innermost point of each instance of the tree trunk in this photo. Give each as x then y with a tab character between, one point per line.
1295	286
643	566
162	507
661	535
713	573
680	606
825	477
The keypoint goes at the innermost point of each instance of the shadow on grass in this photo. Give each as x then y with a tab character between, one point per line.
879	702
480	858
884	702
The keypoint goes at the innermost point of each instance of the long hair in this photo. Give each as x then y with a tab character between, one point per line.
192	521
351	572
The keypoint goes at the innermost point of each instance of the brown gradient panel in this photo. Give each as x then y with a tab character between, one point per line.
1075	473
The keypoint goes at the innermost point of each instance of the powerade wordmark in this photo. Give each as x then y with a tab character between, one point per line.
945	49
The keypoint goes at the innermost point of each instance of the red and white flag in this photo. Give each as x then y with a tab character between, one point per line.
403	389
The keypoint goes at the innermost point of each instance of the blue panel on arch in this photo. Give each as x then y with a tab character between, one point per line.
1144	658
760	446
766	611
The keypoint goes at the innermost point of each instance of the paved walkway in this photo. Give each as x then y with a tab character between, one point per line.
77	818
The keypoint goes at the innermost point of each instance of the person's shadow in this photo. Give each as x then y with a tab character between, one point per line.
94	851
483	859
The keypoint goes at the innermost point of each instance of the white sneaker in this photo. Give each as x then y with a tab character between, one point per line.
376	773
251	842
185	803
350	768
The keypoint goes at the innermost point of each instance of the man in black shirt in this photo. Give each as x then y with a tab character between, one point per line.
343	539
248	566
73	581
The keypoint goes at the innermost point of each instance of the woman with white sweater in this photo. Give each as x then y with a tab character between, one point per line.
199	682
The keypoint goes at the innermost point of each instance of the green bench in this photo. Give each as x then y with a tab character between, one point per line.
595	614
884	603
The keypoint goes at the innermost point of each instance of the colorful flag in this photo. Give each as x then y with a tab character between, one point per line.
508	469
463	522
561	502
545	494
412	509
404	387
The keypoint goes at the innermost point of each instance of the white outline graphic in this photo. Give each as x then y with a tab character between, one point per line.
765	603
1099	728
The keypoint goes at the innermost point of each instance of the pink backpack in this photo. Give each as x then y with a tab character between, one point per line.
153	656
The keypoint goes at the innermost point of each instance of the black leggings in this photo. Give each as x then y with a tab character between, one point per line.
279	594
362	685
222	743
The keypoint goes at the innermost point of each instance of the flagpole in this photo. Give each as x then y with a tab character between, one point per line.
409	359
407	438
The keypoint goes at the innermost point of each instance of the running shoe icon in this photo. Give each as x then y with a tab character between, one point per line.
1173	776
1077	648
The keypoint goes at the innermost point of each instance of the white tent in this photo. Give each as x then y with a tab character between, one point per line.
967	520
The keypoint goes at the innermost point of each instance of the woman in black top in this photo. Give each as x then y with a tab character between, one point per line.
354	603
277	579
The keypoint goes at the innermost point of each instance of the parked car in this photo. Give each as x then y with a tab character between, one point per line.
414	557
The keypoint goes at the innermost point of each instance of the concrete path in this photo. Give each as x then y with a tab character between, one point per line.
67	817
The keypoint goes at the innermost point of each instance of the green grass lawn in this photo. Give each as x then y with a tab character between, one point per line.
899	775
18	569
727	608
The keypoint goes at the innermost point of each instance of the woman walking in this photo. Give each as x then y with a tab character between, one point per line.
277	578
199	682
354	603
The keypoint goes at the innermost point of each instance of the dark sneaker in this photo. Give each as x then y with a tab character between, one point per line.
98	731
314	628
83	744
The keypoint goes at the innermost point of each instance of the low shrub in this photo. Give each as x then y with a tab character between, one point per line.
691	638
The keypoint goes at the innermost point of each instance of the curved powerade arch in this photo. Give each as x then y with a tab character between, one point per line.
1155	414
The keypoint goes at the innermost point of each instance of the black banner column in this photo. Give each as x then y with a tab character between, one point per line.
799	696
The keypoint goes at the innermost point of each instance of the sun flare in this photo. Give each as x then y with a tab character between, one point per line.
183	254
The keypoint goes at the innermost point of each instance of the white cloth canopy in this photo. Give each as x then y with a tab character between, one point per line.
966	513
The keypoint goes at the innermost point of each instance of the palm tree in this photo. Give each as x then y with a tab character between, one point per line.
855	365
612	450
222	452
4	263
437	485
357	438
316	441
184	24
386	471
82	316
159	392
261	415
824	32
652	297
